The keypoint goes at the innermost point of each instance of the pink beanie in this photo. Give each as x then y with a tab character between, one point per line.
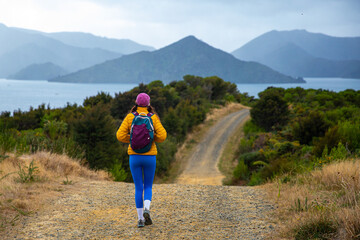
143	100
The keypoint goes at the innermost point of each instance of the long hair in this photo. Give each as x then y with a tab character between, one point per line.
150	109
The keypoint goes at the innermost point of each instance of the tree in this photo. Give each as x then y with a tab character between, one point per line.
95	131
270	111
101	97
306	128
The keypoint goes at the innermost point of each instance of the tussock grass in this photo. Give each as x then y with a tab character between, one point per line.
323	204
28	181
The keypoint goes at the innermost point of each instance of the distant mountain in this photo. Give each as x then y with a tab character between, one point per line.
79	39
300	53
19	49
39	72
187	56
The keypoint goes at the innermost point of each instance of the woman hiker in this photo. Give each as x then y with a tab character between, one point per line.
142	159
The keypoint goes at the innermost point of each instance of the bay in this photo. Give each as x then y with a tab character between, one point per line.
332	84
21	94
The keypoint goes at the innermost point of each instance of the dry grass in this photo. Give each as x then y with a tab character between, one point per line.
51	173
192	139
327	196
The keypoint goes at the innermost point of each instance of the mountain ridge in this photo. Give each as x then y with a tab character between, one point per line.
88	40
20	48
310	55
186	56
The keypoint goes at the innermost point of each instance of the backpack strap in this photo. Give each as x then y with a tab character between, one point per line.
137	114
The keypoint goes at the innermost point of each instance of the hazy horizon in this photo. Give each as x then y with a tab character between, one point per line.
226	25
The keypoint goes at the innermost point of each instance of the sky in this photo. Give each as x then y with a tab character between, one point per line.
224	24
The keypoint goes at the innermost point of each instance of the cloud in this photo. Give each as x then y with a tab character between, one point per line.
225	24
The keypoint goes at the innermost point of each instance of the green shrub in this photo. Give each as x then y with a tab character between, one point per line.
229	98
339	152
8	140
250	158
246	145
55	129
95	132
251	128
305	128
285	147
241	171
277	166
28	173
166	153
330	140
255	179
350	134
67	181
118	172
323	228
270	111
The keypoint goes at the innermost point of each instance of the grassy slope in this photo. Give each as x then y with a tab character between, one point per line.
321	204
51	174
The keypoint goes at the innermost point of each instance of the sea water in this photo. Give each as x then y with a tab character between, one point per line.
332	84
21	94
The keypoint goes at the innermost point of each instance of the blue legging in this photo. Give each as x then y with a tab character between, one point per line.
140	164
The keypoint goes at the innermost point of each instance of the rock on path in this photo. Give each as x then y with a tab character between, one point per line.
106	210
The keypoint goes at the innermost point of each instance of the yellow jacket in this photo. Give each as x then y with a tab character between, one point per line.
123	134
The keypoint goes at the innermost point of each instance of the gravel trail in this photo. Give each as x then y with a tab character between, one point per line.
106	210
202	166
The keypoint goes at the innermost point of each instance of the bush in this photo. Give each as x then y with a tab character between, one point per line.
306	128
55	129
95	131
350	134
250	158
118	172
241	171
28	173
255	179
100	98
323	228
270	112
250	128
246	145
166	153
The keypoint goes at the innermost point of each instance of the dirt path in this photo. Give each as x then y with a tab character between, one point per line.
106	210
202	165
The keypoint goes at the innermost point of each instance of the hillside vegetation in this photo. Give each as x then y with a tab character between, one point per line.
307	143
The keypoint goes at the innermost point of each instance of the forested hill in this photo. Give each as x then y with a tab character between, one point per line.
187	56
39	71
